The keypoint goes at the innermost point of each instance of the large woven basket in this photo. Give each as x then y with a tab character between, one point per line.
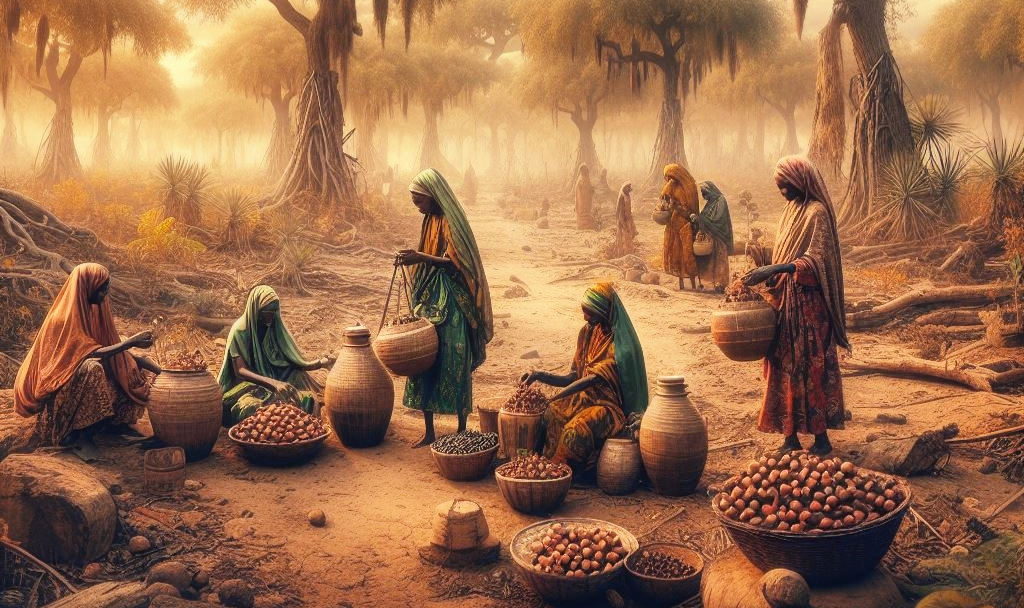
703	245
661	216
536	496
408	349
559	588
827	558
464	467
38	583
665	591
279	454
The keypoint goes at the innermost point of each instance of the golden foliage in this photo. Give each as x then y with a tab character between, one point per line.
71	200
881	279
160	241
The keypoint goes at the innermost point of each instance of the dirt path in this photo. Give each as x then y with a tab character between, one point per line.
379	501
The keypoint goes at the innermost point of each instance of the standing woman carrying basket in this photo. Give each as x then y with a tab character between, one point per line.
450	290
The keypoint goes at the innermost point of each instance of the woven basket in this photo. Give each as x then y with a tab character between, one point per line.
619	466
464	467
279	454
702	245
743	331
534	496
665	591
164	470
827	558
185	409
408	349
39	583
661	216
558	588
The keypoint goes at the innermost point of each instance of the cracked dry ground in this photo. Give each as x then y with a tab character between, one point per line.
249	521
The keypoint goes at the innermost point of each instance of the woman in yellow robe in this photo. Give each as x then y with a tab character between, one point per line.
607	382
680	192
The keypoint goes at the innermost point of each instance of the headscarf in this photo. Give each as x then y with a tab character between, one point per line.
602	301
467	260
72	330
808	229
714	219
273	355
683	188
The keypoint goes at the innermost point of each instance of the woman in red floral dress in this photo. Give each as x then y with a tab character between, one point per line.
805	284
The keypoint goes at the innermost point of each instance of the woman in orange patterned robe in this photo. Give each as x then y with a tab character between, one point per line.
680	192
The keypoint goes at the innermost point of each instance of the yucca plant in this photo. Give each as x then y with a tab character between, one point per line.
240	214
934	122
185	186
1002	170
946	177
905	212
295	261
197	194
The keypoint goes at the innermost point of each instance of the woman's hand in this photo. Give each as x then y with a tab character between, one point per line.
764	273
286	391
693	218
528	378
405	257
143	339
327	361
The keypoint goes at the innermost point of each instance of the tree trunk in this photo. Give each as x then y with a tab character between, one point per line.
282	140
495	149
828	131
759	156
134	150
586	150
882	129
792	144
430	151
367	154
318	165
9	142
60	160
995	115
668	145
101	153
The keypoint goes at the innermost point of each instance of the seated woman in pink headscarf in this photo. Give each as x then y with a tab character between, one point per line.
805	282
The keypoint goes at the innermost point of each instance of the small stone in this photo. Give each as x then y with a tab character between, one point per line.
222	502
139	544
246	513
92	571
527	248
156	589
201	579
530	354
516	291
239	528
193	486
235	593
172	572
958	551
317	518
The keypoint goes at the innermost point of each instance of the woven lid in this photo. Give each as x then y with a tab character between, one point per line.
357	335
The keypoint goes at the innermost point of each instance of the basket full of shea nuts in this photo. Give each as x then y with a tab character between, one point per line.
279	435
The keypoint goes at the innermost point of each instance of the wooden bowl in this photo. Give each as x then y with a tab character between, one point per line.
665	591
464	467
535	496
279	454
559	588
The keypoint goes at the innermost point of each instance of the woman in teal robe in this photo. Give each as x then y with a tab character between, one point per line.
262	363
449	289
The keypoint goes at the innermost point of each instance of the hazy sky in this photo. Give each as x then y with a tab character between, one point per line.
817	14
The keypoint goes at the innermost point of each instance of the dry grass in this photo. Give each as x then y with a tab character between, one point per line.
878	279
975	201
928	340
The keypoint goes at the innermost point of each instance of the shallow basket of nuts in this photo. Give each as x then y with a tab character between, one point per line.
279	435
533	484
664	573
571	559
826	519
465	456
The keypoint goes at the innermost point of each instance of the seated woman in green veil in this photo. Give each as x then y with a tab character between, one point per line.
262	363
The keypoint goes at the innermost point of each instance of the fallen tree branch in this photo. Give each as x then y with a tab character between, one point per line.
949	317
911	366
973	294
1013	430
1009	501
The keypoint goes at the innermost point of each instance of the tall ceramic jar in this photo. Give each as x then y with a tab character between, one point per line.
673	439
619	466
185	410
360	395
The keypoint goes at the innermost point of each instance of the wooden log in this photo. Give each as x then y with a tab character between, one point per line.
950	317
962	295
111	594
912	366
55	508
169	601
1013	430
1009	501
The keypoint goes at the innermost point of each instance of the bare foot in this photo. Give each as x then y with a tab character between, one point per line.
426	439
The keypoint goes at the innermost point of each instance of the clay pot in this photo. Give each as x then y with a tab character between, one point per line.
673	439
359	396
185	409
517	432
743	331
619	466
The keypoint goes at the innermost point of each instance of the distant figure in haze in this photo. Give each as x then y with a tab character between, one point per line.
680	193
715	222
584	200
804	392
625	227
469	186
450	289
79	374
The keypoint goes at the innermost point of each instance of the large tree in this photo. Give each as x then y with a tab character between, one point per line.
379	80
66	32
259	55
318	165
133	81
974	48
785	80
683	40
485	24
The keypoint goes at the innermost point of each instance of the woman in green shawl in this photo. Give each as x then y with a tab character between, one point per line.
450	289
714	221
607	382
262	362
